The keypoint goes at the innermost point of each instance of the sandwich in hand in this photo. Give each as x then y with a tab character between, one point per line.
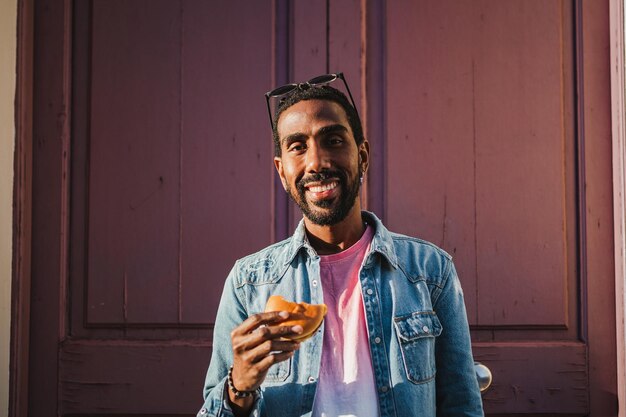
309	316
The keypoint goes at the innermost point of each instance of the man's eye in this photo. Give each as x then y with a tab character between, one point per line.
296	147
335	140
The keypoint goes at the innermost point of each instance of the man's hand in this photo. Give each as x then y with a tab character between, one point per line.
256	348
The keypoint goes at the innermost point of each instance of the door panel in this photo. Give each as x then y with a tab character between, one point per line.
171	183
132	188
481	138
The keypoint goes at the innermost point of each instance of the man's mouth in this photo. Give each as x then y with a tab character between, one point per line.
322	190
318	188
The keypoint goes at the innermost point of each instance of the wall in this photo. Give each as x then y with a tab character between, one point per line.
8	21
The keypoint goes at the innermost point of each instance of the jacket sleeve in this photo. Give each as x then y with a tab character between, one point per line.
457	388
230	314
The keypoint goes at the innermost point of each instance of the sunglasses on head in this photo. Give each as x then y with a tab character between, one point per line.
287	89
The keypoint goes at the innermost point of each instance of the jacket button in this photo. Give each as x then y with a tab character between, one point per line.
384	388
377	339
426	329
369	291
203	411
311	379
314	282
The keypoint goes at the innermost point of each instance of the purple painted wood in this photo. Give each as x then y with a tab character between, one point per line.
51	147
344	44
595	130
374	118
481	161
524	147
536	378
281	21
429	178
212	201
309	55
154	128
133	378
134	190
484	120
159	224
227	168
22	213
345	54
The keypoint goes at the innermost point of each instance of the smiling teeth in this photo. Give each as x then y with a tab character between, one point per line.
325	187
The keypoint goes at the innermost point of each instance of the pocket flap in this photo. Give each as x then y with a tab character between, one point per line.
417	325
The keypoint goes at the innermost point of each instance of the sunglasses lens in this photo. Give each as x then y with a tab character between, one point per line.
323	79
282	90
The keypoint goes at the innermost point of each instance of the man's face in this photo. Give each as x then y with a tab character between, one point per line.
320	164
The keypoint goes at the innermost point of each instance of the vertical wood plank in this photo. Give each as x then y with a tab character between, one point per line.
309	55
344	45
309	39
374	97
345	51
22	225
523	158
596	112
226	150
135	127
480	116
281	47
430	178
50	180
618	113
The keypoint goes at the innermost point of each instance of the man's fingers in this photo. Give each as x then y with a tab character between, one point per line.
270	347
275	332
256	320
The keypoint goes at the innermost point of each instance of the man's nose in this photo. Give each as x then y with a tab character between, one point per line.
317	158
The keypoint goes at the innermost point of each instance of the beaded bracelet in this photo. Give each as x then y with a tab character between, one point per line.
239	394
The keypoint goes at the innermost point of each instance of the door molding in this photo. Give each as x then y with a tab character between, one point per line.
22	213
618	111
594	127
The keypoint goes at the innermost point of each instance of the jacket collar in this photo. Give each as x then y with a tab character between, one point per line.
382	242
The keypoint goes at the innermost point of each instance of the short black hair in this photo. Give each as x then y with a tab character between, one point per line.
318	93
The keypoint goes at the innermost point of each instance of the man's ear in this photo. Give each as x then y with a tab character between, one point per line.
278	163
364	156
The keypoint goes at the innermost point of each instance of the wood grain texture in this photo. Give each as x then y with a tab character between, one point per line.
474	108
596	131
51	153
22	214
618	113
476	134
535	378
167	223
149	378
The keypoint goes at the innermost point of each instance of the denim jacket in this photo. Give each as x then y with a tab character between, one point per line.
416	322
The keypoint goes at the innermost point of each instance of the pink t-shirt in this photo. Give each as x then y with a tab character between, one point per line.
346	385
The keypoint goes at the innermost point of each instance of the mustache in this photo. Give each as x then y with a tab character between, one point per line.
321	176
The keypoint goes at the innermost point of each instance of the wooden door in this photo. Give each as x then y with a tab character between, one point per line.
489	138
153	172
167	178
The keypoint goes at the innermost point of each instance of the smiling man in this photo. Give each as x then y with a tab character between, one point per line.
395	340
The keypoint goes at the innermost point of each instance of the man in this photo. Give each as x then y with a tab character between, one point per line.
395	341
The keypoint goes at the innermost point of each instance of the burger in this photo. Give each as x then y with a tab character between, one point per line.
309	316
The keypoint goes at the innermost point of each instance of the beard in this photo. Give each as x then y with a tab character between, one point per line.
339	206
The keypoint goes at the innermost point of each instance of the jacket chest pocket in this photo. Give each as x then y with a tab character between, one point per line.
416	334
279	371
